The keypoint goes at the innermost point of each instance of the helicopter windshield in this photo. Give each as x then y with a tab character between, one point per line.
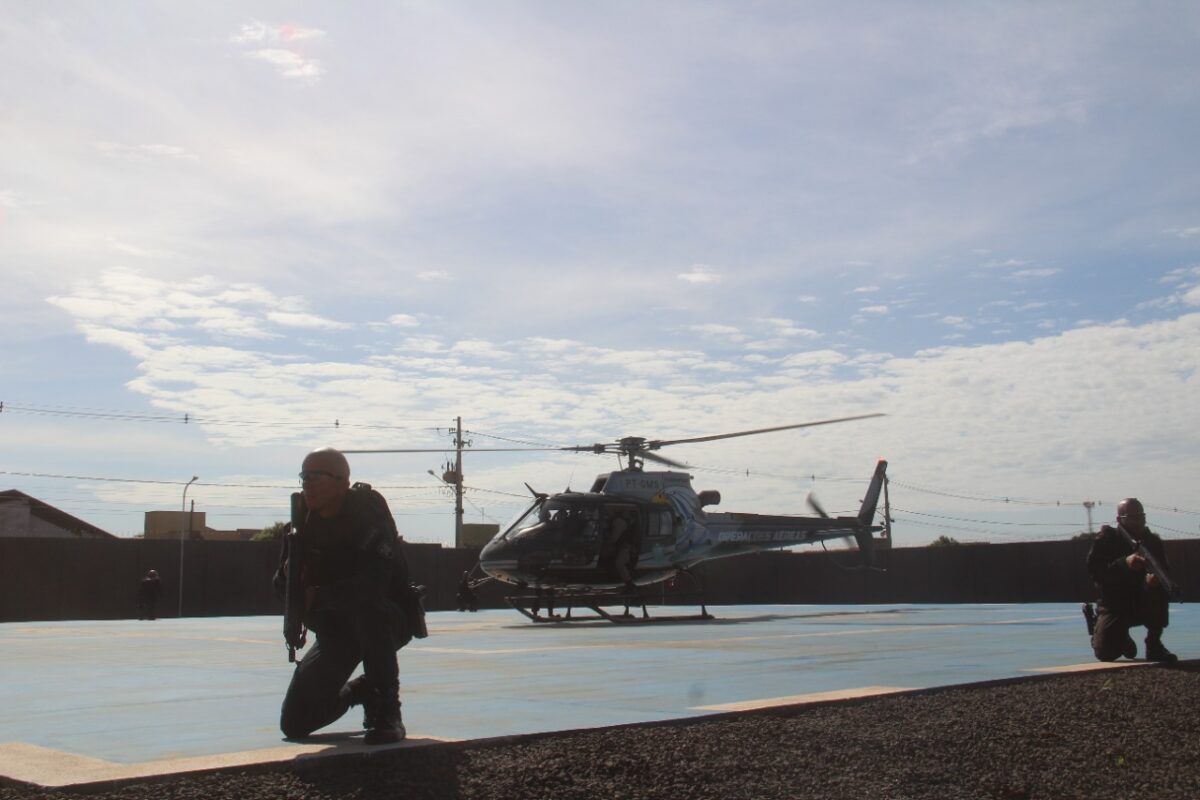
523	518
560	514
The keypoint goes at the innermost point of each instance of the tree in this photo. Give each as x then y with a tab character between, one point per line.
271	533
943	541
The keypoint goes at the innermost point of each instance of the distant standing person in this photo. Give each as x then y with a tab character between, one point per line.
149	590
467	601
1129	594
351	556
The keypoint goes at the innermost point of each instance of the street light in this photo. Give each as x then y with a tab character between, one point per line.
182	511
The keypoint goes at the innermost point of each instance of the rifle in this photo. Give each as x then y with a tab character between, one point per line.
1152	564
294	633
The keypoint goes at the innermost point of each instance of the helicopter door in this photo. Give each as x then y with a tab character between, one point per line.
622	541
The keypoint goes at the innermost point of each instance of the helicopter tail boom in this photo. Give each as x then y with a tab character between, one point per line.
866	514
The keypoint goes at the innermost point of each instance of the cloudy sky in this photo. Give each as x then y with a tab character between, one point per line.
296	224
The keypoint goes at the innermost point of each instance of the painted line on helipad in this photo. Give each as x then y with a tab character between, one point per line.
799	699
1090	666
47	767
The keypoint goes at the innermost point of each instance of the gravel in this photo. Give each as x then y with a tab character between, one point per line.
1115	734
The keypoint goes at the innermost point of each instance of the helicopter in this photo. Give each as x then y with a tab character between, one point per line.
636	528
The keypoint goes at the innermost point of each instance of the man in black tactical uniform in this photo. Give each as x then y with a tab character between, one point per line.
350	556
1129	594
149	590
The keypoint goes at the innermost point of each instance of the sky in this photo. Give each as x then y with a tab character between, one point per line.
231	233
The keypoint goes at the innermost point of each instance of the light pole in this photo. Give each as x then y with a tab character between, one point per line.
182	511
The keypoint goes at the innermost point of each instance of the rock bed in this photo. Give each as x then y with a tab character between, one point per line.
1113	734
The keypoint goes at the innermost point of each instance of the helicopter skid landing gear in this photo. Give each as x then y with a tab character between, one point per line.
599	604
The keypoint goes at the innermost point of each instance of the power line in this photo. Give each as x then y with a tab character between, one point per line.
1009	500
980	521
187	418
289	486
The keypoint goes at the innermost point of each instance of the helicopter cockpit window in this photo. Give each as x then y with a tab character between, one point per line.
527	517
568	519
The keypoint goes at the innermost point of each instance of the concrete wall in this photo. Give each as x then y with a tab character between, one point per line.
54	579
1025	572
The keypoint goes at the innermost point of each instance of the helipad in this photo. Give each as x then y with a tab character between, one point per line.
96	701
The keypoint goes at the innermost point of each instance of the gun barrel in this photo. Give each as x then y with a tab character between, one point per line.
293	604
1157	569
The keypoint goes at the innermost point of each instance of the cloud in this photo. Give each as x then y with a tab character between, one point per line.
292	319
125	299
874	309
145	152
478	348
124	248
865	289
722	331
403	321
1186	283
288	58
814	358
700	275
1045	272
788	328
433	275
1031	407
291	64
956	322
423	344
256	32
1185	233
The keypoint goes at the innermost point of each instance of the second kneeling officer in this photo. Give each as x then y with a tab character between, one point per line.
350	565
1130	593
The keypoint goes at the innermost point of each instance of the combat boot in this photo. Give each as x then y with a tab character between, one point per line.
1089	617
359	693
1155	651
385	726
1130	648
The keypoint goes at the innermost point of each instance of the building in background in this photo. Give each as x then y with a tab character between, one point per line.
25	516
174	524
477	534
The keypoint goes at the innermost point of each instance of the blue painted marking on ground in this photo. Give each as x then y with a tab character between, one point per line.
128	691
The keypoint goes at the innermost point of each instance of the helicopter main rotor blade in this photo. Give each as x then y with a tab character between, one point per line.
451	449
662	460
664	442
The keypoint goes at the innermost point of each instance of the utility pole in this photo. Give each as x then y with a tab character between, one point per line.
182	513
453	476
458	483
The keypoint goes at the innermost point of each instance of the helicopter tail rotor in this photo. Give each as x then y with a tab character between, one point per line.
862	528
816	506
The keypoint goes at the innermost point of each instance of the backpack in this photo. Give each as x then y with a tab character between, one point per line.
408	596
